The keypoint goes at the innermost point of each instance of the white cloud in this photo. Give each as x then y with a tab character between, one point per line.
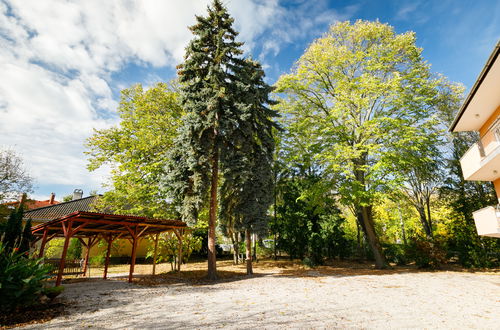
58	57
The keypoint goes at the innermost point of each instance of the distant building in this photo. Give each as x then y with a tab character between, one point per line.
30	204
481	113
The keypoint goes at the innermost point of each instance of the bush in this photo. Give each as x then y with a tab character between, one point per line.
426	253
21	280
395	253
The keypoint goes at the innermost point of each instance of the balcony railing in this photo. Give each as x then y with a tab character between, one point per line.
488	221
482	161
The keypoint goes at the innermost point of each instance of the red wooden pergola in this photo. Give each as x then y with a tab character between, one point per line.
110	227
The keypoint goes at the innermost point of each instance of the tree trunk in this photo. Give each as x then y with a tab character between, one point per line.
236	248
212	268
403	231
365	217
254	257
274	211
248	241
429	219
423	221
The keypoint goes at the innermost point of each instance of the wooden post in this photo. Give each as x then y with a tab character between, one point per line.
134	251
179	252
67	236
86	262
44	241
155	254
106	263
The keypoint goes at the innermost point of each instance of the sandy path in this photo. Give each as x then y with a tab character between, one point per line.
408	300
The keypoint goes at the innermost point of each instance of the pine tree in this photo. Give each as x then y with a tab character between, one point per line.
13	229
248	178
207	79
227	126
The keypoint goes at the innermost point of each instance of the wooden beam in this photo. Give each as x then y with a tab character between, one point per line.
65	231
94	230
44	241
142	231
78	228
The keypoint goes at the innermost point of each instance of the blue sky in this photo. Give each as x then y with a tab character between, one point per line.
63	63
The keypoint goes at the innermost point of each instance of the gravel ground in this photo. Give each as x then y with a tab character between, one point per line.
275	299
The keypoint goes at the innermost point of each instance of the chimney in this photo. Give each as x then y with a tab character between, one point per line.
77	194
51	200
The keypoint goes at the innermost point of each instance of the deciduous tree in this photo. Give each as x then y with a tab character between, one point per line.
14	178
137	150
360	93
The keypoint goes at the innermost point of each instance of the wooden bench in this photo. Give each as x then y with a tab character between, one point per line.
71	267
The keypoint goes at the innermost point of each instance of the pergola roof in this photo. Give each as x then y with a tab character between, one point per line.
86	224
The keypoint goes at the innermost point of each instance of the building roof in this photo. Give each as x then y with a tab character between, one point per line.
483	98
31	204
51	212
86	224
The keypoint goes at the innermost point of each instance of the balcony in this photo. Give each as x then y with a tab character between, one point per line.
488	221
482	161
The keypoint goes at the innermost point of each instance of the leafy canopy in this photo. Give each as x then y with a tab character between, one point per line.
361	93
137	150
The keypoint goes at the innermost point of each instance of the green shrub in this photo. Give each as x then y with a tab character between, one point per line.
97	260
21	279
395	253
308	262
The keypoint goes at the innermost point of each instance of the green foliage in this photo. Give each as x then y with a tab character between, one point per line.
21	279
346	93
13	230
26	238
137	151
102	246
54	248
168	247
207	85
426	253
309	225
247	188
471	249
97	260
396	253
74	249
14	236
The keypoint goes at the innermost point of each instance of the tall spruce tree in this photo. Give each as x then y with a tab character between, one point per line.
207	79
249	176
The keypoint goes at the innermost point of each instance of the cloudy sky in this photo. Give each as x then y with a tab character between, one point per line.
63	63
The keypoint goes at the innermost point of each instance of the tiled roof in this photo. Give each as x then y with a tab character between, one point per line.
52	212
31	204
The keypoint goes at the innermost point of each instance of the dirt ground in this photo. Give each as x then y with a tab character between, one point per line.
284	295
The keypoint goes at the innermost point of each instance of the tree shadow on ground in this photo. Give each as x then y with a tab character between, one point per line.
86	297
